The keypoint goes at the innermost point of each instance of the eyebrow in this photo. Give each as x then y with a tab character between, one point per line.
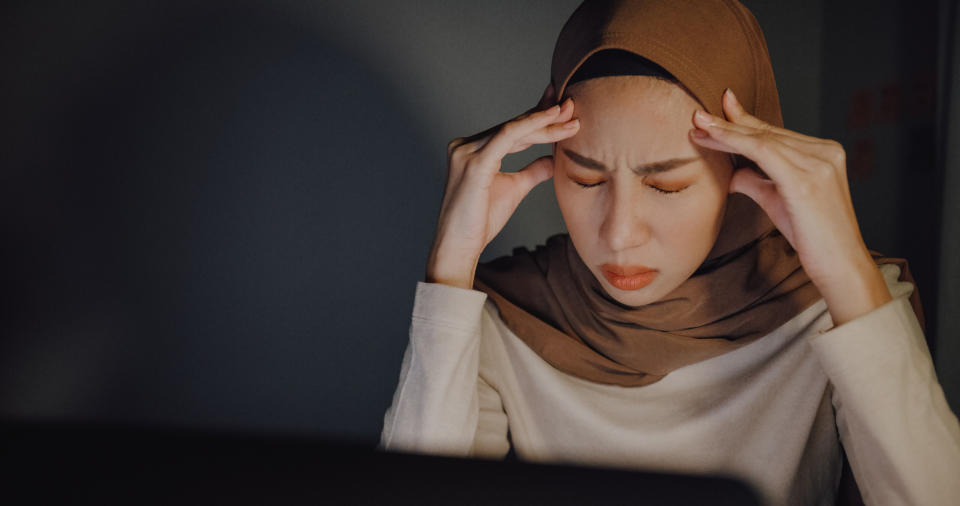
647	168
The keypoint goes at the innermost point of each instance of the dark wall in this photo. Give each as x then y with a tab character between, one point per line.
879	92
207	219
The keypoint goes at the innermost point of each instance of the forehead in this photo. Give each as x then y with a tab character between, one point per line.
633	92
632	116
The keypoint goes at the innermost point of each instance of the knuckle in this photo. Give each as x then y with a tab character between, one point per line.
767	135
837	154
457	156
766	142
453	144
470	165
832	144
460	151
509	129
451	149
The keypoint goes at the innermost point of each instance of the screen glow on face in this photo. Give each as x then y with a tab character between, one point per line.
635	193
589	173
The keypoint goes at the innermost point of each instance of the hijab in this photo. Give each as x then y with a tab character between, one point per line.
751	281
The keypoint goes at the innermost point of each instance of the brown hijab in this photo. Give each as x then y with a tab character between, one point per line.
751	282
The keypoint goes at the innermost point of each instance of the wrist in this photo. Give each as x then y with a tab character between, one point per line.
858	291
465	282
451	269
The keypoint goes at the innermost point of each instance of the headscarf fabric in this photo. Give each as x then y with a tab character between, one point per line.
751	282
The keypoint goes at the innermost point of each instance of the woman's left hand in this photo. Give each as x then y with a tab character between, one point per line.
807	197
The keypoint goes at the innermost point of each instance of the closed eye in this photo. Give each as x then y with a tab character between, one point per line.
661	190
589	185
657	188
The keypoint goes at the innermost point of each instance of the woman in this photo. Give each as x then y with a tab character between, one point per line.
713	307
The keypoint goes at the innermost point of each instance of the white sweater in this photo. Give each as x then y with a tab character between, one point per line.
772	412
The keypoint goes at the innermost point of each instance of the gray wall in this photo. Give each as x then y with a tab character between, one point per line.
880	100
216	212
948	345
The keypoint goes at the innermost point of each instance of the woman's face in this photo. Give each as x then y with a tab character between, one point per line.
633	146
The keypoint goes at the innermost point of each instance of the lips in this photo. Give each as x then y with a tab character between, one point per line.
628	277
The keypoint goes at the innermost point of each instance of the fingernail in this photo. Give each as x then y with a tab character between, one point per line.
702	115
700	134
730	92
574	123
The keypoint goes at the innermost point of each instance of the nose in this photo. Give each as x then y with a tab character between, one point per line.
625	225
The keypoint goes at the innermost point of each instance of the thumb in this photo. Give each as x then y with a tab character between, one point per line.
514	186
535	173
525	179
763	191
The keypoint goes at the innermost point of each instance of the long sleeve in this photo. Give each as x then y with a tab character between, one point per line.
441	404
901	437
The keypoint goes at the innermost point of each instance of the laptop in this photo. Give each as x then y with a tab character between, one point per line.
60	463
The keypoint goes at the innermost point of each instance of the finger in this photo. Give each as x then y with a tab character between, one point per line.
524	180
513	132
702	119
481	138
478	140
762	190
548	135
534	173
766	149
564	126
561	124
804	154
712	137
737	114
765	193
716	125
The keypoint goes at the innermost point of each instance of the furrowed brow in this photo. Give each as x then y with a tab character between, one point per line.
642	170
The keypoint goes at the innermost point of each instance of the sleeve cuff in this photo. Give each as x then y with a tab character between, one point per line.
447	305
881	338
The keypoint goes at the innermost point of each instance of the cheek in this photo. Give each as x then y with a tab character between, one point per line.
691	231
577	206
572	203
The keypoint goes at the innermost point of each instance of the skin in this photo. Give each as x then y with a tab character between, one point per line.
627	122
803	190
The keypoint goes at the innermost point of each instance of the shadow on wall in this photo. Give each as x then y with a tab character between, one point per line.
211	219
879	101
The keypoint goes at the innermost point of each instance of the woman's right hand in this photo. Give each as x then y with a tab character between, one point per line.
479	199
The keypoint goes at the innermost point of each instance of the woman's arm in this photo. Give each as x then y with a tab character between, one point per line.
901	437
441	405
